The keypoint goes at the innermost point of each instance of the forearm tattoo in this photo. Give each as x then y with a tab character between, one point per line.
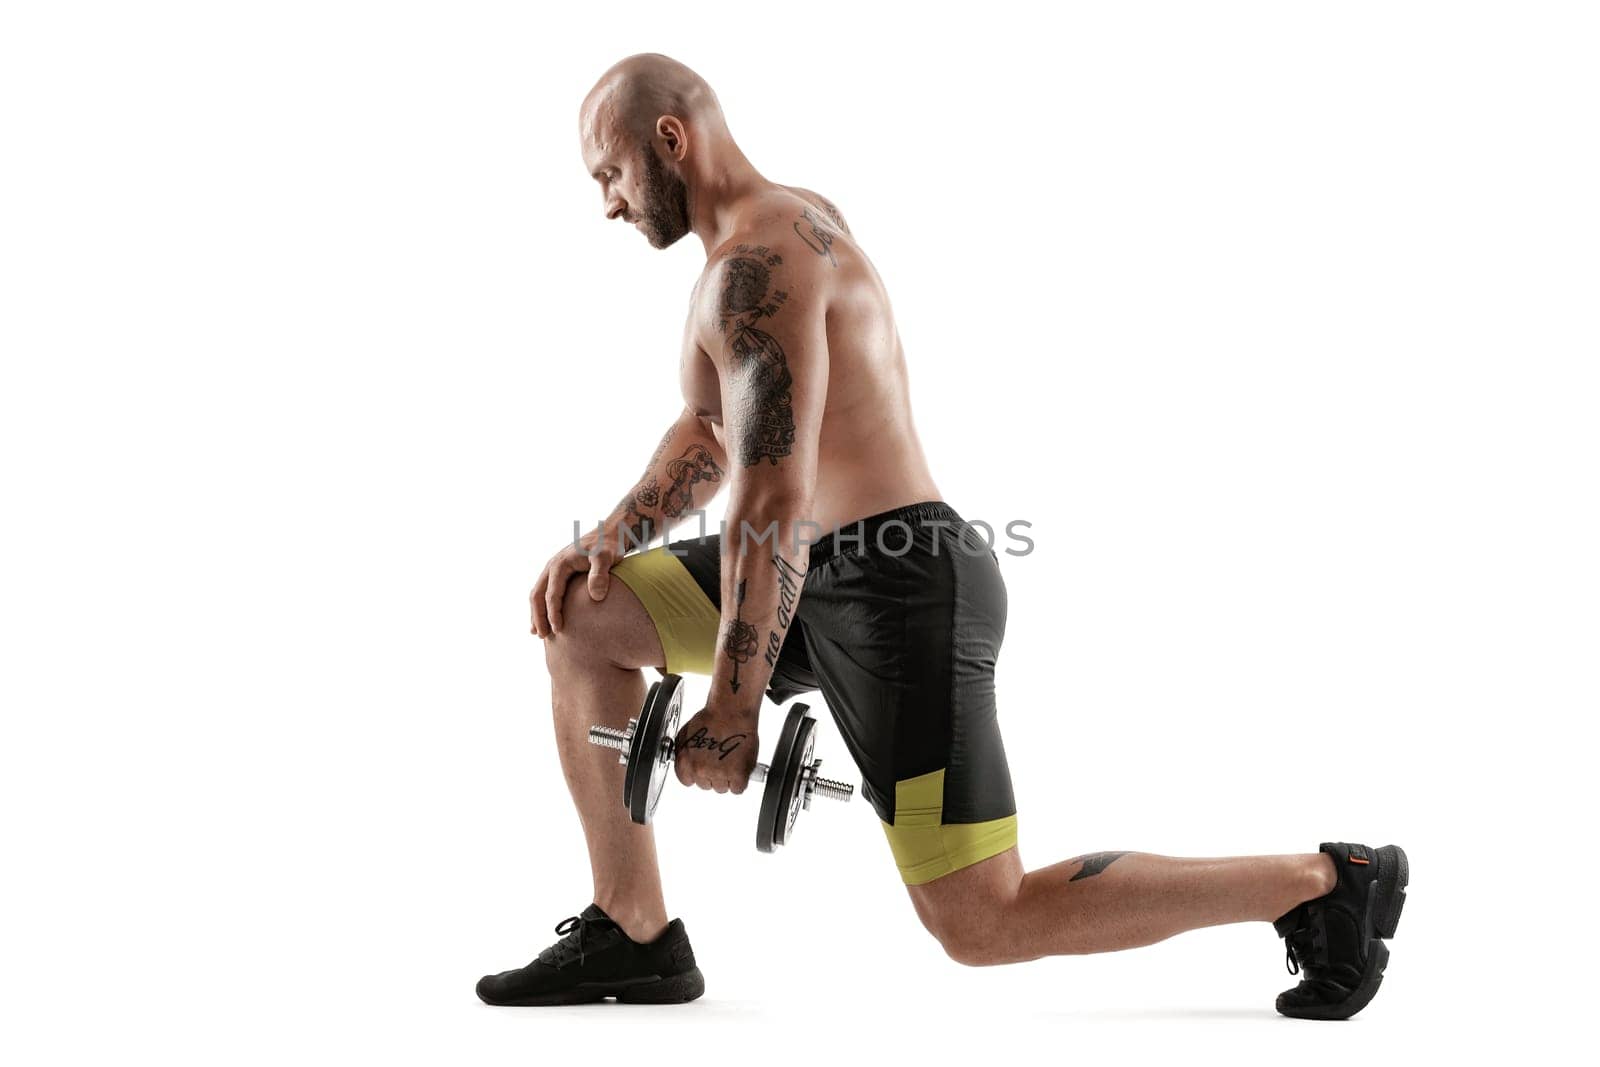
789	580
638	529
693	467
765	411
687	471
739	640
1094	863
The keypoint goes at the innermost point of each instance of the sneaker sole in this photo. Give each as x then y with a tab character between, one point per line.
1394	873
1377	960
679	989
676	989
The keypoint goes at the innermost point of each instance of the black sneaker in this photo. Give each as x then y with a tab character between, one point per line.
1334	940
594	960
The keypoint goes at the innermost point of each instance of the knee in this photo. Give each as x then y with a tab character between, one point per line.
583	641
972	938
973	911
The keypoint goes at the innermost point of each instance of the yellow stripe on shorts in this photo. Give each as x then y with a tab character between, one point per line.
684	617
923	847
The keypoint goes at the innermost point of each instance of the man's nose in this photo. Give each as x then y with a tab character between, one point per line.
614	208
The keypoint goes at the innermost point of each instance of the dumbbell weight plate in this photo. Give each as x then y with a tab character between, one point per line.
649	760
781	799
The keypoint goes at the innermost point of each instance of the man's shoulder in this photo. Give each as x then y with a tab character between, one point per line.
830	211
788	223
778	253
766	250
762	273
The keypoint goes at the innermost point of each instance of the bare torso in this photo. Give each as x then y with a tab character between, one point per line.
869	459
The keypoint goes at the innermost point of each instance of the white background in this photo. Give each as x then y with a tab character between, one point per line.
1276	320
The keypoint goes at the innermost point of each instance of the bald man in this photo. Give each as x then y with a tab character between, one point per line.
842	569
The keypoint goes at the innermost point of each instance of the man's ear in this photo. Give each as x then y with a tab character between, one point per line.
670	129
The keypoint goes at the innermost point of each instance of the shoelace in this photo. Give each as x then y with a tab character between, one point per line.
560	953
1304	940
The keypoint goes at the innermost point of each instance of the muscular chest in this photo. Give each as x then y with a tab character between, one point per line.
697	378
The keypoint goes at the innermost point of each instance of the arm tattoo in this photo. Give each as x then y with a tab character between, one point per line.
765	408
739	640
820	237
649	494
789	580
637	528
688	470
1094	863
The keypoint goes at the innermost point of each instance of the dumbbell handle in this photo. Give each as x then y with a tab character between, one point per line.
823	787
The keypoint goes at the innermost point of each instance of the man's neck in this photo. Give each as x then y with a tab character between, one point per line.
717	201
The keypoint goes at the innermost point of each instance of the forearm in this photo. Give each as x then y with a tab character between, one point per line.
684	473
764	558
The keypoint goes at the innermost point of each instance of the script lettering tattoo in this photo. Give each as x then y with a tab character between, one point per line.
689	469
1094	863
765	410
739	640
700	739
835	216
789	580
820	238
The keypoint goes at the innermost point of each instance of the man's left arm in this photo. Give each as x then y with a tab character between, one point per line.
772	355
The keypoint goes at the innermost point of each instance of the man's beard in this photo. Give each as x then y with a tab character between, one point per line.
666	202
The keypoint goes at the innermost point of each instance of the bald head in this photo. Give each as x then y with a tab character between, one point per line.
653	135
649	130
635	93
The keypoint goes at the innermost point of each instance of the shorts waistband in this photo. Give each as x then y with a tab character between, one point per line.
863	533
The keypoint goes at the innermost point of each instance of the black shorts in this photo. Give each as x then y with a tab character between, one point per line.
900	623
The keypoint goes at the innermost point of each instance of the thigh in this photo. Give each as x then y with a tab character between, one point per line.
616	630
905	650
675	587
680	587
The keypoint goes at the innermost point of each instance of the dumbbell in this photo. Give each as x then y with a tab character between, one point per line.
646	750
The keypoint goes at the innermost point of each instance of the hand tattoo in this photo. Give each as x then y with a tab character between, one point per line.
700	739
